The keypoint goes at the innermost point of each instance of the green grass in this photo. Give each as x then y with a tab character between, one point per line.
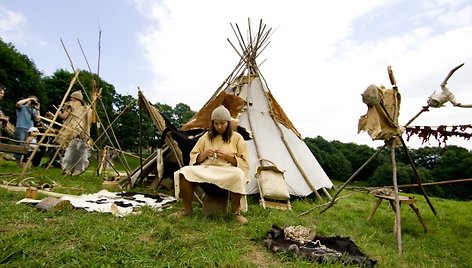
76	238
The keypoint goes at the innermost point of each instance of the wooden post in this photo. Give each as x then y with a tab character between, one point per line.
101	160
397	228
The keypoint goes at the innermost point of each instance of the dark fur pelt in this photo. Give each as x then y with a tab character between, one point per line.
76	157
320	249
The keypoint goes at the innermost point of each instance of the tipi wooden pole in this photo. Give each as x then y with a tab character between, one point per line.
49	129
397	228
289	149
101	160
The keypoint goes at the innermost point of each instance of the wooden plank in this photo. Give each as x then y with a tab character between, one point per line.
401	198
283	205
10	148
53	204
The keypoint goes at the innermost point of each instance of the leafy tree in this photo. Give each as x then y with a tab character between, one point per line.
454	163
182	113
432	164
383	175
332	160
20	77
427	157
58	84
166	110
178	115
358	155
125	123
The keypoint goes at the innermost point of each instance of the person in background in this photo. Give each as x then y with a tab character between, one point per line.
74	136
5	126
27	112
219	158
77	120
3	118
31	142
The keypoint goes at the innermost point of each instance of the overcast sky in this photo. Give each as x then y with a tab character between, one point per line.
321	57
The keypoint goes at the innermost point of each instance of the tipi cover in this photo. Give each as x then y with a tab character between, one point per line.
274	137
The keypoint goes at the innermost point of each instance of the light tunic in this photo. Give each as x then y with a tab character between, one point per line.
77	123
218	171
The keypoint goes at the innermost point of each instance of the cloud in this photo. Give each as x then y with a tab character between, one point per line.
321	57
11	25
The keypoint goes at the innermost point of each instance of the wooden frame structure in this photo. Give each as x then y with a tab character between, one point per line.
396	199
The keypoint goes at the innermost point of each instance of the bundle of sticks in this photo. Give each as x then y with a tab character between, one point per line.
6	126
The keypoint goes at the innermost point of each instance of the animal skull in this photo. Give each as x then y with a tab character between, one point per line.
437	100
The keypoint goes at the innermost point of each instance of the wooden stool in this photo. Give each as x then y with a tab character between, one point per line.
215	199
411	201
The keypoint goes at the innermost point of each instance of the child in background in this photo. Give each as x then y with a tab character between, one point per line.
31	142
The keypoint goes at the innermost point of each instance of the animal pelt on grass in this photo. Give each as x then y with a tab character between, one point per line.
319	249
76	157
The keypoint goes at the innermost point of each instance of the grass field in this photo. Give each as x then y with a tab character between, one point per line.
76	238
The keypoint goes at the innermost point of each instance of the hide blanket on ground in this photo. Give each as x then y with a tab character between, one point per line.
119	204
320	249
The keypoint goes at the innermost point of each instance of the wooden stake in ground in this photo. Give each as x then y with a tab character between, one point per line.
397	229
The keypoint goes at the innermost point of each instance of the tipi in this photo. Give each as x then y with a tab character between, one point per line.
249	100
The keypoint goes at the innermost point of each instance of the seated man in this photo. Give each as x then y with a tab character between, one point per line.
220	158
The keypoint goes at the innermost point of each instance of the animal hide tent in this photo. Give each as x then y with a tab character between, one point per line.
273	136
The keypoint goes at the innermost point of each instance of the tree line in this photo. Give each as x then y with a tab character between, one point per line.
21	78
433	164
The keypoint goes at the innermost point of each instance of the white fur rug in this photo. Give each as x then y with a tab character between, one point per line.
118	203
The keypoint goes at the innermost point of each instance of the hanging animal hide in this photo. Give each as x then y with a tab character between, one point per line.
381	119
76	157
320	249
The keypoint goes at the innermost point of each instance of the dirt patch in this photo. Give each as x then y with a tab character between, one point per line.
261	257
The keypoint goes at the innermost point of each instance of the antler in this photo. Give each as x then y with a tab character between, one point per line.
437	100
450	74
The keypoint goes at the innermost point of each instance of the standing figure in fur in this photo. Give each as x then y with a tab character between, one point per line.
220	158
76	157
77	119
74	134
